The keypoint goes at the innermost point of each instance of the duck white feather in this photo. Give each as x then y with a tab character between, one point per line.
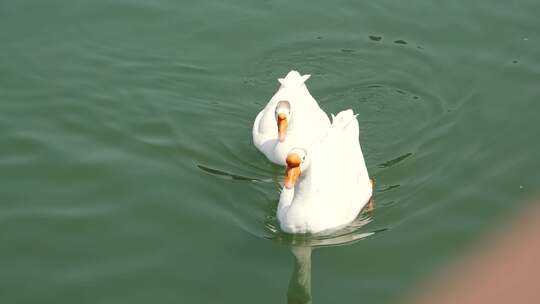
306	121
333	185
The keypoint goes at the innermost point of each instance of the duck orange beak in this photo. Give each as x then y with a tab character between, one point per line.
292	177
293	170
282	125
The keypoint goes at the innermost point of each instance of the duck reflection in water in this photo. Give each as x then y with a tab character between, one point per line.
299	291
300	283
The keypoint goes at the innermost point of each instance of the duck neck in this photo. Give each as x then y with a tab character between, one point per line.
304	188
292	123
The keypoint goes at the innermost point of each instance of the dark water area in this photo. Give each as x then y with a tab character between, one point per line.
127	169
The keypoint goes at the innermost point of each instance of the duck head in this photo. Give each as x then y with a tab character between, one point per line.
292	87
296	163
283	117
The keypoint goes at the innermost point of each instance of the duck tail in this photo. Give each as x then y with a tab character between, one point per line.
293	79
343	119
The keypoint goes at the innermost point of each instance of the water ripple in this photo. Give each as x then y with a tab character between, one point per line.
221	173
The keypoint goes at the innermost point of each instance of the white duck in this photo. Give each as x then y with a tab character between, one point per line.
291	118
327	185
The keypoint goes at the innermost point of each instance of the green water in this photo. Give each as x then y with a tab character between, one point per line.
127	172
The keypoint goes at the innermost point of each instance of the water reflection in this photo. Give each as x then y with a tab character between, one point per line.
299	291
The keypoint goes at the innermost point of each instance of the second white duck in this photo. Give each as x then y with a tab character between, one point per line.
327	184
292	118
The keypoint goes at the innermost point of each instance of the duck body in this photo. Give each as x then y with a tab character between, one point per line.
306	121
333	186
